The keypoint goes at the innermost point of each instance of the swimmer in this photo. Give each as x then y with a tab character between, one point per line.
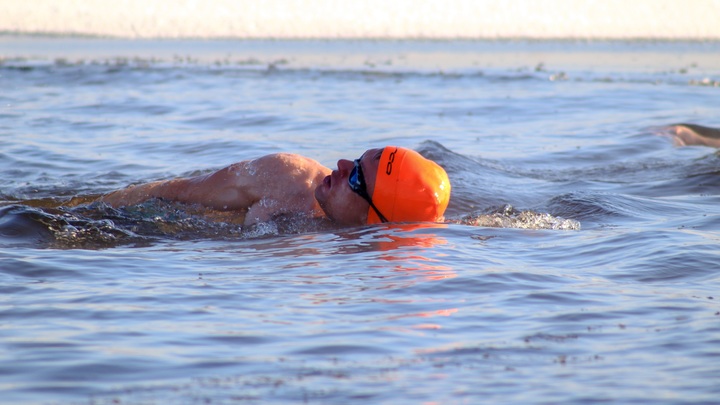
692	134
390	184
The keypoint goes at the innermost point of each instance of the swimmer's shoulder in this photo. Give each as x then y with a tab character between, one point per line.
290	163
288	158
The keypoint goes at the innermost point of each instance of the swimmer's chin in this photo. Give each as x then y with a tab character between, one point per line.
323	189
320	196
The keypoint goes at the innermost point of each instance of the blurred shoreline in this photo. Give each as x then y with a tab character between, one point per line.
460	56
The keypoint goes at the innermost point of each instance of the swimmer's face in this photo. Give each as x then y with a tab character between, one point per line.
340	203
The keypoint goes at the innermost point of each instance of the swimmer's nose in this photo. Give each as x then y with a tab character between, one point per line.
345	166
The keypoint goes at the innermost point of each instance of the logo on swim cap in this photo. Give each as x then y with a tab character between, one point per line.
409	188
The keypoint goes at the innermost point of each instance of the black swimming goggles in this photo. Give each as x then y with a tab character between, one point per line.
357	184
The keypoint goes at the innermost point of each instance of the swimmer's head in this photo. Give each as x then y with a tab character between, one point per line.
408	188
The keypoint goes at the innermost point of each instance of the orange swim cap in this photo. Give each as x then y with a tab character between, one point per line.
409	188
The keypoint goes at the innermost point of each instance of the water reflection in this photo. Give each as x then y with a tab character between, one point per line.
408	248
411	252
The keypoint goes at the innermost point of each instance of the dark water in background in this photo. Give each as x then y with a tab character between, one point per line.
153	305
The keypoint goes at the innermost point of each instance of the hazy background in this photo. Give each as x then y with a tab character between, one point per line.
541	19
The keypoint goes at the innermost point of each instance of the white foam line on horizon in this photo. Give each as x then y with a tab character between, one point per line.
397	19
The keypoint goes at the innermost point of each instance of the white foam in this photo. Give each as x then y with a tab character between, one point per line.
541	19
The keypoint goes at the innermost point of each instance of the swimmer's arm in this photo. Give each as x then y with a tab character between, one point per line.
230	188
691	134
261	188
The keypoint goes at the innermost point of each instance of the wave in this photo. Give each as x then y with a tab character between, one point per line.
542	19
98	226
89	67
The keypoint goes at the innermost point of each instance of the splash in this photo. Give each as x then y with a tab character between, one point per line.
58	228
508	217
98	226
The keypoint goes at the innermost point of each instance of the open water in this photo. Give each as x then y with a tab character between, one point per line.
581	263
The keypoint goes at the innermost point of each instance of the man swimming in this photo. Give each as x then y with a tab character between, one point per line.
390	184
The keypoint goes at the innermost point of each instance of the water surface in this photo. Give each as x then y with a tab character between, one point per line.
156	305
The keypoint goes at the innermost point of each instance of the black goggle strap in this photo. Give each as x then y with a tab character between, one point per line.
362	191
381	216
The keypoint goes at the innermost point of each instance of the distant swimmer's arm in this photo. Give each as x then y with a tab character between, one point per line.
691	134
